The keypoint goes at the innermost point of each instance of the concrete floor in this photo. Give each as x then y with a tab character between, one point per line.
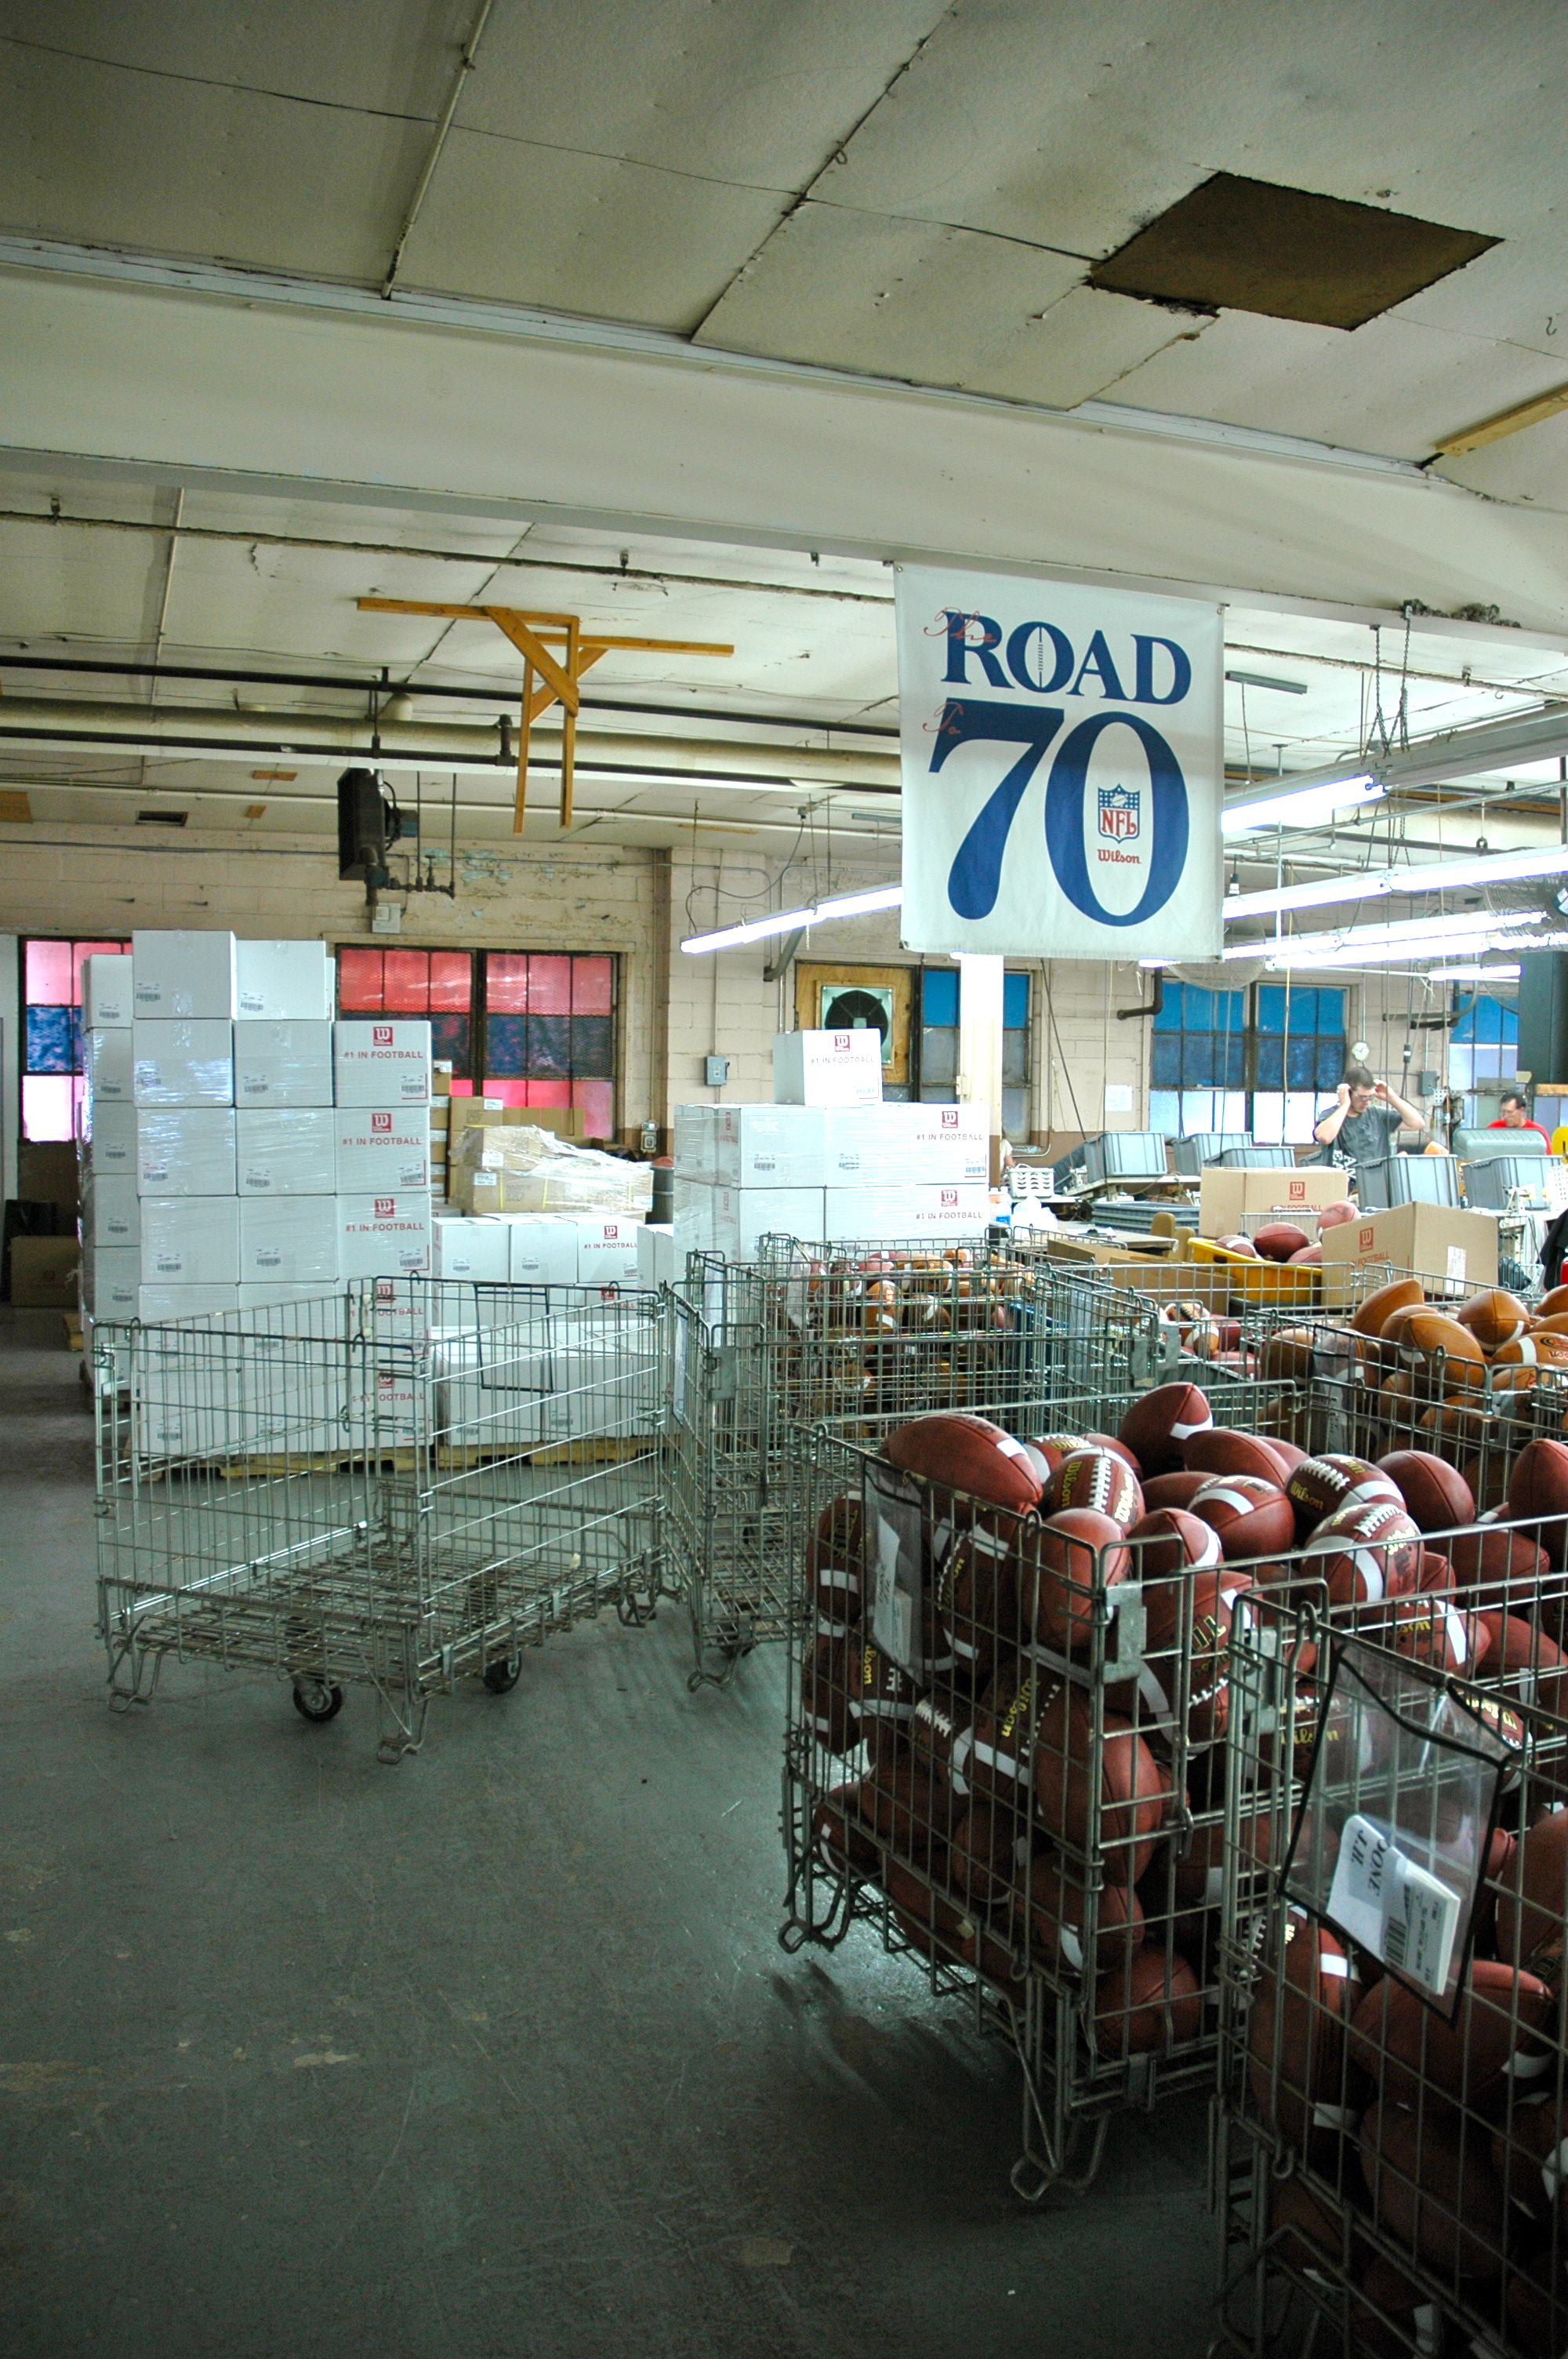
491	2053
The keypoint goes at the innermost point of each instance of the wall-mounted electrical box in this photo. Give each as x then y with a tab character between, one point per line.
717	1072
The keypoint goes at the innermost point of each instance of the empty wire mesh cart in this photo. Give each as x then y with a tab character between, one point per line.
396	1486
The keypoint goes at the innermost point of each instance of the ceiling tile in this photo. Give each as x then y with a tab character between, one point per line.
93	154
1531	466
900	298
756	91
585	233
1390	387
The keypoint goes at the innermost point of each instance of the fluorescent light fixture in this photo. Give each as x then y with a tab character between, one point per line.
788	921
783	921
1266	679
1305	805
861	905
1405	935
1375	883
1474	974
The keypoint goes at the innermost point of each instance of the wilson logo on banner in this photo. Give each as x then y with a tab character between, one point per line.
1062	759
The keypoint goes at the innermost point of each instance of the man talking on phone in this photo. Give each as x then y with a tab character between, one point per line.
1360	1126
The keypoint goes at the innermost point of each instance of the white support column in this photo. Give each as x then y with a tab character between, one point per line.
980	1039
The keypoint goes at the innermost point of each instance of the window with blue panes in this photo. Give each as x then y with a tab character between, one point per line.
1483	1053
1298	1058
938	1028
51	1033
1197	1060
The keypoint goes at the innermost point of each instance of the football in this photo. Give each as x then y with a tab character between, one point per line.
1135	1789
1401	1294
1364	1554
1171	1540
1429	1628
933	1925
1526	1664
936	1727
828	1694
1498	1568
990	1760
905	1811
1186	1658
1059	1908
882	1698
1295	2036
1146	2005
1157	1428
1054	1447
1435	1493
833	1563
1334	1216
1114	1443
1319	1487
1492	1318
982	1850
1068	1556
839	1837
1099	1480
1288	1355
1542	1348
1537	1494
1253	1518
966	1454
1398	2039
1280	1240
1309	1258
975	1594
1552	1304
1172	1491
1427	2173
1431	1335
1532	1912
1220	1450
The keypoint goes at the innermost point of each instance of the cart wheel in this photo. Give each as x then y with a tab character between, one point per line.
501	1678
316	1700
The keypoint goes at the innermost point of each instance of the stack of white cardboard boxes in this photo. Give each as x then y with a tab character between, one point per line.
829	1160
240	1147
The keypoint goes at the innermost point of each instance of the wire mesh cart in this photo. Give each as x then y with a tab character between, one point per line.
1388	2165
1004	1756
889	1331
396	1486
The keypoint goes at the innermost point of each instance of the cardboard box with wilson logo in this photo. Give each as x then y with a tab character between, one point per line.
1225	1198
1431	1241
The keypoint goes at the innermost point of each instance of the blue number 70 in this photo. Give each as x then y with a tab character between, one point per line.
975	878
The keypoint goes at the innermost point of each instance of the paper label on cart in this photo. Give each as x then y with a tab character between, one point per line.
1404	1915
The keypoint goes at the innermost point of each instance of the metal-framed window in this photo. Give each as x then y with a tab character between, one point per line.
937	1030
532	1027
51	1031
1230	1061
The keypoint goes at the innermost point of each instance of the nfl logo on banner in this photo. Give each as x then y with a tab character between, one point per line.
1062	761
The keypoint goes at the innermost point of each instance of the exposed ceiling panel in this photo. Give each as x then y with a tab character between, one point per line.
586	233
92	153
1393	386
1254	245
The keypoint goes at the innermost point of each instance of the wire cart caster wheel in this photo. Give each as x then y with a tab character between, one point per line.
501	1678
317	1699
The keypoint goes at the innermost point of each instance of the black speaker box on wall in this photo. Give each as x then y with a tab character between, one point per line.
1543	1019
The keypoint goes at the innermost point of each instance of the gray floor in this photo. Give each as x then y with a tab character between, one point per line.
491	2053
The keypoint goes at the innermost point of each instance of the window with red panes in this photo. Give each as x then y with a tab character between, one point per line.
532	1027
51	1034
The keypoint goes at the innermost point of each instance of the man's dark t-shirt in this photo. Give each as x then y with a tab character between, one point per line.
1363	1137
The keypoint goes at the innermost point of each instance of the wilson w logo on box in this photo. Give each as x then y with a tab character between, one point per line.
381	1035
381	1121
1295	1192
385	1206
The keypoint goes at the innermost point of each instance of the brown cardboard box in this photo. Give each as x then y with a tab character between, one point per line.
1430	1241
46	1173
1224	1197
43	1273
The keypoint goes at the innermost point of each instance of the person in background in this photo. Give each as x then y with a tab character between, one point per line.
1514	1114
1360	1126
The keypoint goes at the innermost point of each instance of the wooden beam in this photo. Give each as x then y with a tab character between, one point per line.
1505	422
527	632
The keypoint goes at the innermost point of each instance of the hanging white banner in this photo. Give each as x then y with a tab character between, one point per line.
1063	760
